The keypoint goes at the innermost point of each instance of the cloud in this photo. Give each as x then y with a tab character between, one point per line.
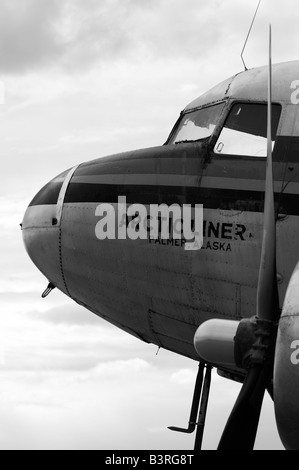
115	406
68	315
27	33
136	31
72	33
115	370
183	377
75	35
65	337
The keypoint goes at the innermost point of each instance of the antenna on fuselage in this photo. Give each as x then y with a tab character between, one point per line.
246	40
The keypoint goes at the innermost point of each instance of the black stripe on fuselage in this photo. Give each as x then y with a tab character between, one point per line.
286	149
48	195
225	199
184	159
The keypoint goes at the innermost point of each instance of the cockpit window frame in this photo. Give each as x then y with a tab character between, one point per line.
228	110
219	125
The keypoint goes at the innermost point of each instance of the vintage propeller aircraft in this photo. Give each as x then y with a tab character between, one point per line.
234	303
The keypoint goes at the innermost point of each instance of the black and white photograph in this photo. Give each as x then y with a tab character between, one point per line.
149	285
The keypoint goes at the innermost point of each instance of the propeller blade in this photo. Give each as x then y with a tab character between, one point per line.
240	431
267	292
241	427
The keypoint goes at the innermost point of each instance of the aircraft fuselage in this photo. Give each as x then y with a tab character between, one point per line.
153	288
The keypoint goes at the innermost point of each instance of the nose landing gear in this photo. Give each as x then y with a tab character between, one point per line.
199	402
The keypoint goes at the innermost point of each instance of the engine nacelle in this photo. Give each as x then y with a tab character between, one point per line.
214	342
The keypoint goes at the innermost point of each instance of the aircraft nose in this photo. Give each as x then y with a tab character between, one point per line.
41	228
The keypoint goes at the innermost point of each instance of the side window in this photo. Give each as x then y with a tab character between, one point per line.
245	130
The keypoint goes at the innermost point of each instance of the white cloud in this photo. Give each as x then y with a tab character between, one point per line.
11	214
184	377
115	370
73	35
26	33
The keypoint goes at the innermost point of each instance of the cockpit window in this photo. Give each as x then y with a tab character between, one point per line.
245	130
197	125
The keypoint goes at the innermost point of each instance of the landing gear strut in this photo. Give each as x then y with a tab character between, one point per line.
199	402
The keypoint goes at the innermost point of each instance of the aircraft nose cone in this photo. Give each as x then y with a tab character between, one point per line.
41	230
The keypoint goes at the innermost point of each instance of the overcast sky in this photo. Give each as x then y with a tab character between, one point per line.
85	79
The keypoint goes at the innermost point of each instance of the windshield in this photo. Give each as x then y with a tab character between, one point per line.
245	130
197	125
